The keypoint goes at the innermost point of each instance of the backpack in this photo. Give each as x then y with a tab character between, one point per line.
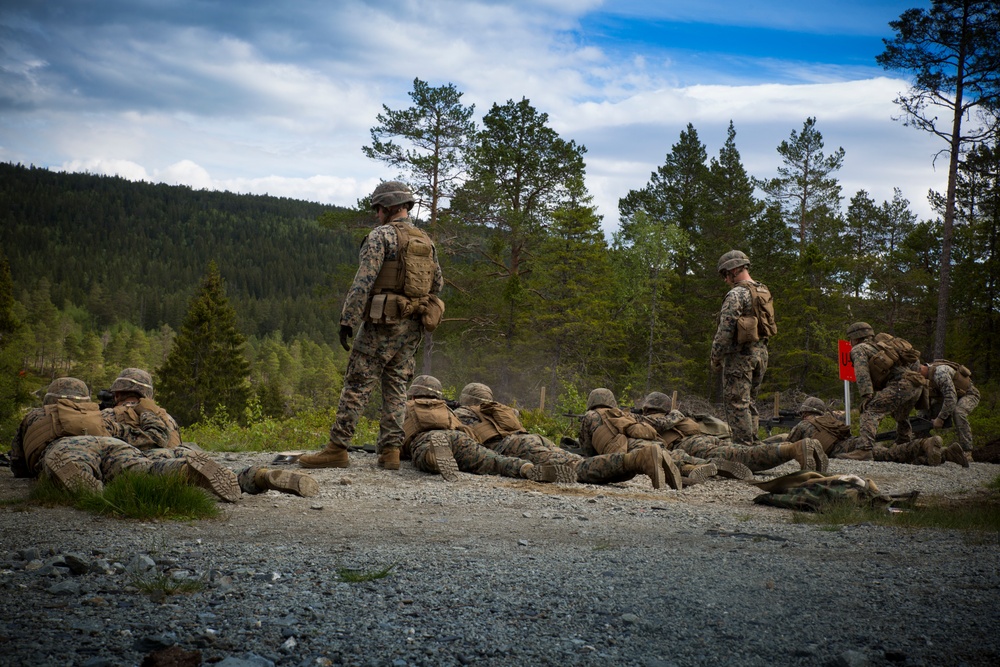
496	419
892	352
429	414
616	428
62	419
829	429
751	328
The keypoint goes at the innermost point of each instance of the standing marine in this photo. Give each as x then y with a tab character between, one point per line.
390	303
739	349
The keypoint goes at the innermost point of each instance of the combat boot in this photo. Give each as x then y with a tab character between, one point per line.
388	458
649	461
201	470
733	469
548	473
443	458
692	474
331	456
954	453
286	481
74	476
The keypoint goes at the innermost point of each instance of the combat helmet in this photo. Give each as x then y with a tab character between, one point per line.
134	381
424	386
656	402
475	393
859	330
391	194
601	398
733	259
71	388
812	405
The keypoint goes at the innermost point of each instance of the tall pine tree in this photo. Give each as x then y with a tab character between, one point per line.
207	369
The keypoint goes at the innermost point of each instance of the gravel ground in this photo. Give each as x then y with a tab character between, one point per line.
493	571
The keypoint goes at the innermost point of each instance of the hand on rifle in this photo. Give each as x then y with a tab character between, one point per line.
938	423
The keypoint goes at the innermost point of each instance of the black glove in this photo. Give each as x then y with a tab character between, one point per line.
346	333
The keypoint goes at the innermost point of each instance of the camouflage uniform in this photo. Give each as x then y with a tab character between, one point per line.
381	352
469	454
901	392
743	366
923	451
152	432
763	456
101	458
945	402
601	469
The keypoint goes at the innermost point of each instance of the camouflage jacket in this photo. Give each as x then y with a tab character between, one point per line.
378	246
942	380
738	303
860	354
663	422
152	432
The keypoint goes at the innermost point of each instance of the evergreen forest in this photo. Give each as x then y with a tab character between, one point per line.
100	273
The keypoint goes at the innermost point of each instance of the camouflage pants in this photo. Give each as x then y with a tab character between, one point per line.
469	454
601	469
381	352
756	457
897	399
910	452
846	446
742	375
245	476
966	404
105	458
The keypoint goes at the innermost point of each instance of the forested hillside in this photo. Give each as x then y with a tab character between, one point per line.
135	252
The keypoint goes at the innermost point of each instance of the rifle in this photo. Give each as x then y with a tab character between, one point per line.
106	398
921	426
785	419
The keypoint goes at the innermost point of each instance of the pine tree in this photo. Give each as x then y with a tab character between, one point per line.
207	370
12	390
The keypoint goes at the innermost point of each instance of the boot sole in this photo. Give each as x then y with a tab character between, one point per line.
296	483
821	460
733	469
956	454
446	463
547	473
701	473
218	479
70	475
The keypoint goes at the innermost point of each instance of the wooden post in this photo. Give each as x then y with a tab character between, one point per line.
777	404
673	401
541	400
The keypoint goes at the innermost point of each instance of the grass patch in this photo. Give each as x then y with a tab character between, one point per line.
306	430
979	514
158	586
144	497
354	576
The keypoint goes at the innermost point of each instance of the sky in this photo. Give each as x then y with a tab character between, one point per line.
279	98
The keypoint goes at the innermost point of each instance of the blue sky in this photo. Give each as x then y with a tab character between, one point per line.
278	98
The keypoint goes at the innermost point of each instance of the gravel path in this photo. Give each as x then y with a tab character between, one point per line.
493	571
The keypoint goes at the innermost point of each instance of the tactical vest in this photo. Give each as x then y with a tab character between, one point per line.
63	419
615	430
829	429
132	414
685	428
962	378
892	352
429	414
496	420
408	277
751	328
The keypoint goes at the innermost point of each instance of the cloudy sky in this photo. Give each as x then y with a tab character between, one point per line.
279	97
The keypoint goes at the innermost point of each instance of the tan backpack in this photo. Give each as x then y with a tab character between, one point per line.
132	415
751	328
429	414
61	420
495	420
892	352
829	429
616	428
